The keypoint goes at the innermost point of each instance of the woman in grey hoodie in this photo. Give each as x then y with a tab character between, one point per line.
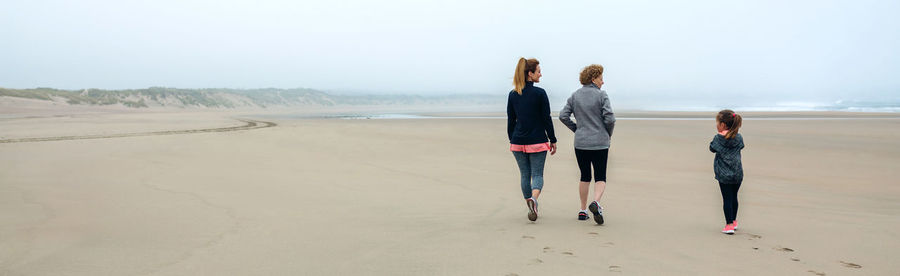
596	120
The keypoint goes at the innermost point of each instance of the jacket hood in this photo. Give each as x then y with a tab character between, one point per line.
721	142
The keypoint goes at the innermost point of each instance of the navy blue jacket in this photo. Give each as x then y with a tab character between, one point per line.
528	116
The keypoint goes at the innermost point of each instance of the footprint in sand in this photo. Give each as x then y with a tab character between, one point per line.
816	272
795	259
593	233
753	236
527	237
607	244
850	265
756	248
615	268
784	249
547	249
568	253
536	261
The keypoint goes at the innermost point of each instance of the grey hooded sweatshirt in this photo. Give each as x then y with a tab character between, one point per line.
594	115
727	164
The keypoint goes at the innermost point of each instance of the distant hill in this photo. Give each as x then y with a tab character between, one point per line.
235	98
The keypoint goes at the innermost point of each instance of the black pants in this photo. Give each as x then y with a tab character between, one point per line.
595	158
729	200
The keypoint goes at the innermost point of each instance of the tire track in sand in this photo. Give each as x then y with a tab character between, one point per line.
250	124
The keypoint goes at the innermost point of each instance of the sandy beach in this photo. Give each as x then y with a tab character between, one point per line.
437	197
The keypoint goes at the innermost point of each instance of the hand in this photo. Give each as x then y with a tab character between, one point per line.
552	148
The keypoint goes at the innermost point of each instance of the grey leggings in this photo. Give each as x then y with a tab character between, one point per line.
531	166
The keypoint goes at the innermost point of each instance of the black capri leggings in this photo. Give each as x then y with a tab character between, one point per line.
595	158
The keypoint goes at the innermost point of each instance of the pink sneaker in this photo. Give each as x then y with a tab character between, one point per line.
735	224
729	229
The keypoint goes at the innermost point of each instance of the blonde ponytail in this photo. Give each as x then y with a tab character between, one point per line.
524	67
519	77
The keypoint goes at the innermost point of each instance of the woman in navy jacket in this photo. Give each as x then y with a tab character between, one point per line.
530	130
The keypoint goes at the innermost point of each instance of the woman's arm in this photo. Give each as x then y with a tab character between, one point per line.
510	118
548	121
565	115
609	119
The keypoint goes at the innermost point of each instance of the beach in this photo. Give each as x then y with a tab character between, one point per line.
437	196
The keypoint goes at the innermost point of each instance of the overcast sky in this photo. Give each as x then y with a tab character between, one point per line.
795	50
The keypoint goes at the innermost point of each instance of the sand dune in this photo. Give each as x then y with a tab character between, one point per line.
437	197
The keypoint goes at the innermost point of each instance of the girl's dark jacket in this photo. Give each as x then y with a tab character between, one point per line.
727	164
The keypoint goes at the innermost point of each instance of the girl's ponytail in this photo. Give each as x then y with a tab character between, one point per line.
731	120
519	77
735	126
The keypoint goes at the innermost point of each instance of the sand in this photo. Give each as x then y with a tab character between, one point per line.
436	197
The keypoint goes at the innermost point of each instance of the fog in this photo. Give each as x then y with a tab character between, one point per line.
698	53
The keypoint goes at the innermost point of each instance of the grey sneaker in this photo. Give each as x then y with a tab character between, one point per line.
532	209
583	215
598	212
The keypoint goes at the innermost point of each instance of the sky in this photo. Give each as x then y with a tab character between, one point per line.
653	51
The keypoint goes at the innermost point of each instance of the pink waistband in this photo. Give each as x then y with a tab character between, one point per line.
530	148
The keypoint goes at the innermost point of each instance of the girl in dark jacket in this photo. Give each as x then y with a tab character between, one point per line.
727	145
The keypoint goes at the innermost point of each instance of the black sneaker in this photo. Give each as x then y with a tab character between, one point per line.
583	216
598	212
532	209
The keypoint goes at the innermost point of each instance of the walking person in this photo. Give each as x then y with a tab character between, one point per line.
530	130
593	127
727	146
